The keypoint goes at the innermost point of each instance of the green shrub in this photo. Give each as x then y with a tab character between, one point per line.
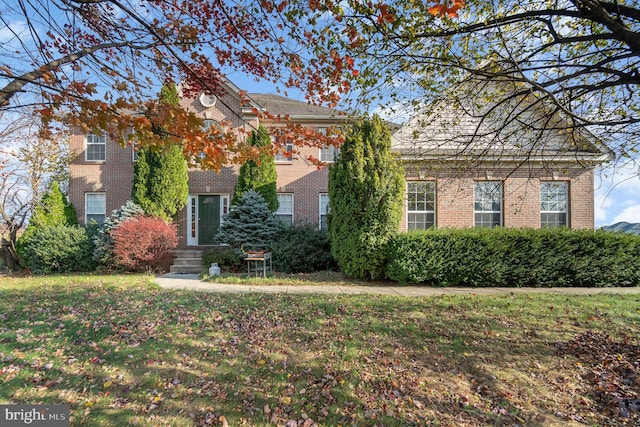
57	249
227	258
366	190
250	225
302	249
515	258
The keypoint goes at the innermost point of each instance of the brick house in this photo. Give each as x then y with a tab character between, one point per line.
552	185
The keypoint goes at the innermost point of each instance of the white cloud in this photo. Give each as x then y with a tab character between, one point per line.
8	34
630	214
601	208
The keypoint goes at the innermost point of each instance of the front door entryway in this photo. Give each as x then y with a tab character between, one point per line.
205	214
208	219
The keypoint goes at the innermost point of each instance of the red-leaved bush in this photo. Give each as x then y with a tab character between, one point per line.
144	243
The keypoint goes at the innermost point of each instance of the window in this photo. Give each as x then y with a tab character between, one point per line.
216	129
487	200
421	205
553	204
95	207
284	153
324	210
328	154
134	152
285	208
96	147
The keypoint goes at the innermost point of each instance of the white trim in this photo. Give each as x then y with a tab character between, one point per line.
320	213
278	213
86	205
102	141
501	222
435	202
192	215
566	201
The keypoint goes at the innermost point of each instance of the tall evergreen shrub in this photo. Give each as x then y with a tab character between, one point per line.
366	189
259	174
160	178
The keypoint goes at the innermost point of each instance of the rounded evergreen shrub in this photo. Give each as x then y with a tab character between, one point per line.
144	244
57	249
302	249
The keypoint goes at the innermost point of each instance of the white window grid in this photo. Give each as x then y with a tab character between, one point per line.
554	204
487	202
95	207
285	207
95	147
421	205
324	210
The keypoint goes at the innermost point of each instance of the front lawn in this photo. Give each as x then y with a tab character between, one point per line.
122	351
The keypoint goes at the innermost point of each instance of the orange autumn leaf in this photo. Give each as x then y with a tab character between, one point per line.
447	8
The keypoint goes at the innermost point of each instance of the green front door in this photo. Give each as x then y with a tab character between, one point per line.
208	219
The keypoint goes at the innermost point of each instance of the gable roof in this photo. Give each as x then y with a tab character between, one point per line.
468	123
280	105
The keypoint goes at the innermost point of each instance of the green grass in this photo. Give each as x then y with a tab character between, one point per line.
281	279
122	351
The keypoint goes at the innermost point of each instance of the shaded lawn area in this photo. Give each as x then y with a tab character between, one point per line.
121	351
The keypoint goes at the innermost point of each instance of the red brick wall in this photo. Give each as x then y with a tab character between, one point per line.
113	176
521	194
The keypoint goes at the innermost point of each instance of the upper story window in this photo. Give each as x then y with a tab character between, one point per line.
487	202
95	207
554	204
285	207
95	147
330	153
209	124
324	210
285	151
421	205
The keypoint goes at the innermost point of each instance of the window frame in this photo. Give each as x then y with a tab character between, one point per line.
323	215
492	212
426	212
565	212
278	214
280	157
88	212
329	153
102	141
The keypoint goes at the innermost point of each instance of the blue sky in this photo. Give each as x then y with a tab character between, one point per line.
617	195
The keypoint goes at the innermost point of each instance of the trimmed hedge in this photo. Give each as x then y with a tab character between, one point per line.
510	257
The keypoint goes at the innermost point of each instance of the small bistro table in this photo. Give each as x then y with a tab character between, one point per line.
257	263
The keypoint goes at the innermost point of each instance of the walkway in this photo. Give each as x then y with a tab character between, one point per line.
192	282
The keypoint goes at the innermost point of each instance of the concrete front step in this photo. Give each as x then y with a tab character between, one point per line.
186	269
187	261
188	253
